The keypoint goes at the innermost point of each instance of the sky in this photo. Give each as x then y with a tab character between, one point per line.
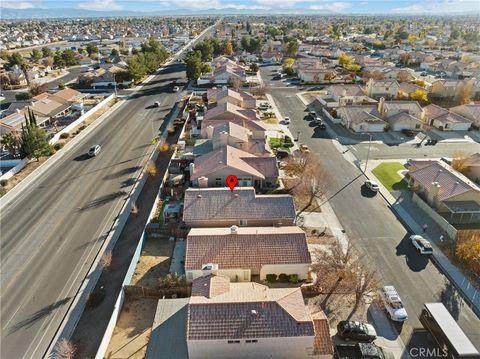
340	7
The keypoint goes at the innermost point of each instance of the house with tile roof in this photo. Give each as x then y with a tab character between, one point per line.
231	112
470	111
232	134
343	94
451	88
243	252
362	118
449	192
220	207
212	169
239	98
249	320
445	119
387	88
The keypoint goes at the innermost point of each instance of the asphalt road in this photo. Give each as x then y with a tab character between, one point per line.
53	230
375	230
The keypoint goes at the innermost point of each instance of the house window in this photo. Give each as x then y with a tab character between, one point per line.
243	223
218	181
245	275
233	341
190	275
251	341
417	126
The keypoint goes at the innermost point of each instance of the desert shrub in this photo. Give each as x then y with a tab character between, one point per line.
293	278
283	278
3	182
271	278
95	298
172	280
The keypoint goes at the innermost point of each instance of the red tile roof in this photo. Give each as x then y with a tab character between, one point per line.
251	247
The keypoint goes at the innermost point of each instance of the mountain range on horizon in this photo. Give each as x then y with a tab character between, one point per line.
62	13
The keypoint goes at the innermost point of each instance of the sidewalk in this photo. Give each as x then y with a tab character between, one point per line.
414	218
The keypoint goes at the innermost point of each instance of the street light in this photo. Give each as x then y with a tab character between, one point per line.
368	151
115	84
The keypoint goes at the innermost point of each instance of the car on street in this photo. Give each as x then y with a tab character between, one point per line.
94	150
312	114
156	104
317	120
393	304
322	126
421	244
372	185
286	121
351	330
176	88
304	148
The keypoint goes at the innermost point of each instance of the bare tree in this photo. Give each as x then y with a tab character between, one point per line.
403	76
333	268
366	285
465	91
64	349
37	88
151	168
106	259
405	58
461	161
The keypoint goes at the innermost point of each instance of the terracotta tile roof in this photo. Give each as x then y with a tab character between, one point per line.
346	90
68	94
452	183
243	203
469	111
402	116
322	344
241	161
264	245
211	286
248	124
231	110
248	310
362	113
411	106
434	112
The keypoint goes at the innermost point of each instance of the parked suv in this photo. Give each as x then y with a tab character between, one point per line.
421	244
347	329
393	304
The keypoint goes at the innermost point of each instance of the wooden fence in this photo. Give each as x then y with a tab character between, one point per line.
133	292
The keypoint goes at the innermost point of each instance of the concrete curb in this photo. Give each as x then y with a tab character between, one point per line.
20	187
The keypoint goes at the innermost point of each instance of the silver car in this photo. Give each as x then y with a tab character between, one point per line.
94	150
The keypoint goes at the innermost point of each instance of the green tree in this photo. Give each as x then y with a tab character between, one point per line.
206	50
47	52
33	141
206	68
136	68
16	59
22	96
68	57
291	48
11	141
344	60
4	55
254	68
228	48
193	62
36	55
92	49
114	52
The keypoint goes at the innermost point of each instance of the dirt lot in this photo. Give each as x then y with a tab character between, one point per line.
154	262
130	336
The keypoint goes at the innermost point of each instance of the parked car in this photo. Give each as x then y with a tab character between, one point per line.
176	88
393	304
372	185
156	104
286	121
317	120
423	246
312	114
94	150
361	351
304	148
350	330
322	126
409	133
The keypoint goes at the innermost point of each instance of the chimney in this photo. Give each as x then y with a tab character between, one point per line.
223	138
209	132
203	182
191	168
233	229
433	192
381	106
209	268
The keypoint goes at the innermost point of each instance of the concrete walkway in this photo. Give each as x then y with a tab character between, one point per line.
414	219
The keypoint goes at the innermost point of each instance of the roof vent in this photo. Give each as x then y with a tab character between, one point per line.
236	195
254	312
199	196
233	229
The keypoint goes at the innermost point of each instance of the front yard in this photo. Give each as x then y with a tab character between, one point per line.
280	143
387	174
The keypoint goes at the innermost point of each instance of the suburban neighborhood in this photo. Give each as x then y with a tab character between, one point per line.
240	180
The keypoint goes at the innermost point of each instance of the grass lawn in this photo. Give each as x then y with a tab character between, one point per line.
276	143
387	174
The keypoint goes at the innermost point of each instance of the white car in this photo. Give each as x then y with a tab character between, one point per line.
94	150
176	88
372	185
286	121
393	304
423	246
156	104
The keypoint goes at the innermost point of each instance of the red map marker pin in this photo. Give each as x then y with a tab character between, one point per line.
232	182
